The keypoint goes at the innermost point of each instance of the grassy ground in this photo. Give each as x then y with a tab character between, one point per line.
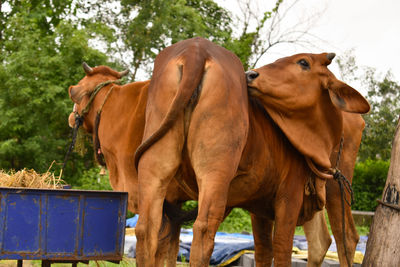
239	221
362	230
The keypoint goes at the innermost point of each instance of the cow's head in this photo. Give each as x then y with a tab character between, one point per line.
306	100
81	92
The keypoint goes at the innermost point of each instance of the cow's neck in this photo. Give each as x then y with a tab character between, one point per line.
90	116
122	119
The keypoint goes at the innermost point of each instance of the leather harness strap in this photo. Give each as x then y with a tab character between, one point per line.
96	141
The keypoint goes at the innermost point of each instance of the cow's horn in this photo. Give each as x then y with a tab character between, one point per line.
123	73
86	68
331	56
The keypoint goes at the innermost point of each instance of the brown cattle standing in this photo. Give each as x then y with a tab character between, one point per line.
304	99
197	111
198	117
117	145
118	133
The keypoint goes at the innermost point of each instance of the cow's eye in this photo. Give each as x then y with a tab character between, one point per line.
304	64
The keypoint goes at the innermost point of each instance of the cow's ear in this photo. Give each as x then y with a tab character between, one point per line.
346	98
314	132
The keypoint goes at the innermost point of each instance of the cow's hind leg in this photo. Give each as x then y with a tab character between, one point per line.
216	138
212	202
262	232
318	239
334	207
215	167
157	166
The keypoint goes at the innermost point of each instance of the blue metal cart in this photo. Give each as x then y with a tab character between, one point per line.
62	225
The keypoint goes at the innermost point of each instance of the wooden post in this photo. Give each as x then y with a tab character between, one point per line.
383	246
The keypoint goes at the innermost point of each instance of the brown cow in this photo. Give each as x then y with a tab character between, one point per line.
276	96
117	145
198	117
120	132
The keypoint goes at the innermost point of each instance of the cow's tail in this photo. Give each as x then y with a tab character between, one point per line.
192	72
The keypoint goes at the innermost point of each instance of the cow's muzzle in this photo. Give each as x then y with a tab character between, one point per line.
251	75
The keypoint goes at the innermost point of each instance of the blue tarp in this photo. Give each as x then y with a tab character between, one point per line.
131	222
227	245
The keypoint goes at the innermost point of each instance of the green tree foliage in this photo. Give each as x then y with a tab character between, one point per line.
144	28
383	94
368	183
237	221
45	14
252	44
92	180
384	98
41	57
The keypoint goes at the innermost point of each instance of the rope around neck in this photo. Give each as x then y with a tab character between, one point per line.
94	93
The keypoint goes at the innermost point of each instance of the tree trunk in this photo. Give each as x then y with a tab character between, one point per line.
383	246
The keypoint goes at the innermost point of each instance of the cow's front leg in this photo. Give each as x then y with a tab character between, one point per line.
262	232
168	243
288	203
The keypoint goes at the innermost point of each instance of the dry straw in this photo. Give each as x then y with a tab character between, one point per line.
31	179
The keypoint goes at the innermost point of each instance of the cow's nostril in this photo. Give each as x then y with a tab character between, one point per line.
251	75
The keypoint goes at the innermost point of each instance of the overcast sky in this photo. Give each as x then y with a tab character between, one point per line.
370	27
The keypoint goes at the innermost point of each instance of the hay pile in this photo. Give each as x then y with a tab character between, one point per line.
30	179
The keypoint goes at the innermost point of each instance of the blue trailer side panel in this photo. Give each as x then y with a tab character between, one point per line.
62	224
22	223
94	243
63	220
